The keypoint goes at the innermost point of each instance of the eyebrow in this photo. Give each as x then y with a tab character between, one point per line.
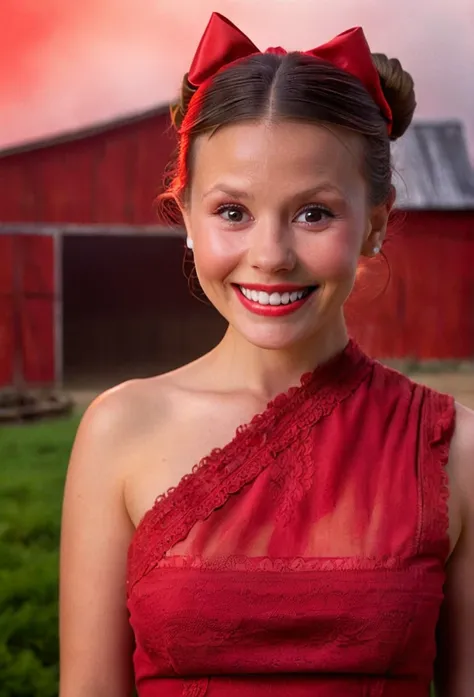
325	187
229	191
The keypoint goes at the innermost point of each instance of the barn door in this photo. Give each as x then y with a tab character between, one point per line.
27	310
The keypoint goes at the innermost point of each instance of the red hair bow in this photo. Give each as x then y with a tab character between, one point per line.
223	43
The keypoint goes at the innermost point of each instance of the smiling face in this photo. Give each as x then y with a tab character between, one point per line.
278	213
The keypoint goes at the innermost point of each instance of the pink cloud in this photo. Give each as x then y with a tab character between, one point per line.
71	64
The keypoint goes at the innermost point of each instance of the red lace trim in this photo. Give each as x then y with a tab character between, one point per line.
282	564
255	446
195	688
440	419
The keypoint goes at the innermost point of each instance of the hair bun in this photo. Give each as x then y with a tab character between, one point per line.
398	88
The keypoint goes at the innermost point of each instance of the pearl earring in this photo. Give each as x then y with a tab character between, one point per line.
189	243
376	250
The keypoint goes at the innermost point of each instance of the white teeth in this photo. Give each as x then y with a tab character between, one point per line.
275	299
263	298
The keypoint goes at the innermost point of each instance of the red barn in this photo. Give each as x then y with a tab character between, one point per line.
91	287
424	307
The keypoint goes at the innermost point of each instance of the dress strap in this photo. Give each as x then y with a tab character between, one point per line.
438	418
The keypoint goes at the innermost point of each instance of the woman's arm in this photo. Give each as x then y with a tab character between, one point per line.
455	662
96	642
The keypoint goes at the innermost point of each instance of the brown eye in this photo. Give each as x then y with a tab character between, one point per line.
313	215
233	214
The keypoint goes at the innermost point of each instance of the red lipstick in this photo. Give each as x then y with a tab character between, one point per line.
270	310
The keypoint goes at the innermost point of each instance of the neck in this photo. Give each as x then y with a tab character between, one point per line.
269	372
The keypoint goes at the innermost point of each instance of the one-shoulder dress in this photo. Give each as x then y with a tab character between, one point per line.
307	556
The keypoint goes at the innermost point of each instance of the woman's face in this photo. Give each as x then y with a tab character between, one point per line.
278	215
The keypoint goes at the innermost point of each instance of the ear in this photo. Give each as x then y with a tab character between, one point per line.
186	220
377	226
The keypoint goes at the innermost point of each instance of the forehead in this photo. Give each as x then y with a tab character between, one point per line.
283	154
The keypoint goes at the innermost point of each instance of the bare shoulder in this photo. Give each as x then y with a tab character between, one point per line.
454	665
461	477
125	425
107	435
465	425
120	410
124	414
461	461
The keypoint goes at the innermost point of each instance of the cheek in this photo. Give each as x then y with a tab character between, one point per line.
334	256
216	253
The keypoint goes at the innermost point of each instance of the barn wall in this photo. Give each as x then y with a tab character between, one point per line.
128	311
108	177
27	331
422	304
6	311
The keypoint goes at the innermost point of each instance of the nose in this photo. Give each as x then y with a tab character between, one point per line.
271	247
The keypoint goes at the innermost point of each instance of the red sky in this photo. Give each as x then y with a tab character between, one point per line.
69	63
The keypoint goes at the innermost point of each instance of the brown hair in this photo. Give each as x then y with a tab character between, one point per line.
294	87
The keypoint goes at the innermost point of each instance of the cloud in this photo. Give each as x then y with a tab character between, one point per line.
71	64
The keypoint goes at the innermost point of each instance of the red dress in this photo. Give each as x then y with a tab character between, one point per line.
306	557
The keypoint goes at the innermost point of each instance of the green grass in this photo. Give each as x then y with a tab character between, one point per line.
33	462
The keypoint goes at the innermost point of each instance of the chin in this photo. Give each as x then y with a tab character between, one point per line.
275	338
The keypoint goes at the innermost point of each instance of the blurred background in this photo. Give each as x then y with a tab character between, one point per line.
92	289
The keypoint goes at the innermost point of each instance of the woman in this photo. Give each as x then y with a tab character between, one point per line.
307	553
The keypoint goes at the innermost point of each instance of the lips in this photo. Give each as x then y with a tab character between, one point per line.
273	300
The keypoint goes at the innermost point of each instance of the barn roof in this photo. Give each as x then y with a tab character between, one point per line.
432	167
87	132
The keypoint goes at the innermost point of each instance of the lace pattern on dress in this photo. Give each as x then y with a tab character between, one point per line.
282	564
195	688
292	480
255	446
